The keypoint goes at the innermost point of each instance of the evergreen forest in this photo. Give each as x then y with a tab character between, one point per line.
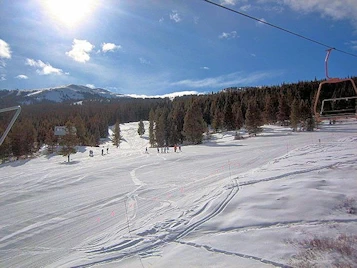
181	120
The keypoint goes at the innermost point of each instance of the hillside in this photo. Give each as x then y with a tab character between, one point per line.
225	203
73	93
69	93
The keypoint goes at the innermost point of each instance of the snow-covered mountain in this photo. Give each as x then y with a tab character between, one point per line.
60	94
73	93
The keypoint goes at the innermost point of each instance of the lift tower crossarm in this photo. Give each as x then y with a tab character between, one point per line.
18	110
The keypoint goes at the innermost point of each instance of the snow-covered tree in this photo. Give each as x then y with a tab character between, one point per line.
141	128
294	115
194	125
270	110
69	141
253	119
116	134
238	115
152	128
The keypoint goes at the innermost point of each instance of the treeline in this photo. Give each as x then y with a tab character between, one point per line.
36	123
184	119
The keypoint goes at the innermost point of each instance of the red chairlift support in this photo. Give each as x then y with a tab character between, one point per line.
337	114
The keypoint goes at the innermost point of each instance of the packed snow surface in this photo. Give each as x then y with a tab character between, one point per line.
225	203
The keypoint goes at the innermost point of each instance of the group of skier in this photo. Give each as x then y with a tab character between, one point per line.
177	147
91	153
166	149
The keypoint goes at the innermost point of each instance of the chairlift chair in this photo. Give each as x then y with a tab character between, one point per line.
347	106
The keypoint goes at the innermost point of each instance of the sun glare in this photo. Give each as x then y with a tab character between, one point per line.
69	12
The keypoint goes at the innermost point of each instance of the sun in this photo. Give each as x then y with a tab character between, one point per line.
69	12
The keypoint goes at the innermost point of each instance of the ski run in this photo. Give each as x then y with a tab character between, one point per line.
224	203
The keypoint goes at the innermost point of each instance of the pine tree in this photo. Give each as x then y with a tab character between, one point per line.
161	124
151	128
194	125
294	115
253	119
270	111
178	117
217	122
96	136
116	135
81	130
228	115
23	136
141	128
50	141
69	141
42	130
237	115
305	110
283	110
310	124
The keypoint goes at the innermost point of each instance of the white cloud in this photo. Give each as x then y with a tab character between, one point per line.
277	9
230	35
22	76
144	61
253	55
174	15
228	2
265	8
2	77
169	95
90	86
233	79
353	44
110	47
245	8
161	20
260	23
80	50
336	9
43	68
5	51
205	68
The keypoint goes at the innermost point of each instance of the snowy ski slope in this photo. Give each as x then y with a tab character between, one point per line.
225	203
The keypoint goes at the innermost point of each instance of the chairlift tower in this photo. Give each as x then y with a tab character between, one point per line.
18	110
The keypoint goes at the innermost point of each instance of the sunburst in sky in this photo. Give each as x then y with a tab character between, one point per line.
70	12
155	47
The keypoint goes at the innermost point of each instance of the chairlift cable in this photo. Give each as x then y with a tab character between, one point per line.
280	28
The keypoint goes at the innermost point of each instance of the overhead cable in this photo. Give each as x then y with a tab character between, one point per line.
279	28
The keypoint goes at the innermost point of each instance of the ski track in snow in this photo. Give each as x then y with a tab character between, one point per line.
175	233
241	255
147	204
234	190
287	224
293	173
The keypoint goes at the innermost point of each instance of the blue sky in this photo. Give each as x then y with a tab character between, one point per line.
161	46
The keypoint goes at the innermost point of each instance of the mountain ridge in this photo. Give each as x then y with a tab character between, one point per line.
71	93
